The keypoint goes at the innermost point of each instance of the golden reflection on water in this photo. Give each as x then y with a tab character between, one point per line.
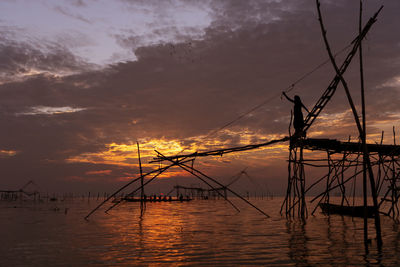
162	229
193	233
210	232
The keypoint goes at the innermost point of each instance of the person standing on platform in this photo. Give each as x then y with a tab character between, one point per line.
298	121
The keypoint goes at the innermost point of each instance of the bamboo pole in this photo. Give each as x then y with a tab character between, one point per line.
356	118
364	132
329	179
295	184
142	207
220	152
393	178
302	186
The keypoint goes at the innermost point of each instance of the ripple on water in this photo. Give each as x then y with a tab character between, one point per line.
199	232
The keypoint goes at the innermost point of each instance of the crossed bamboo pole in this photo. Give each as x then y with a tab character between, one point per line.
156	172
360	128
198	173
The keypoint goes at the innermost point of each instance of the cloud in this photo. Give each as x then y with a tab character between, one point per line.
41	110
77	3
7	153
161	35
164	22
66	12
100	172
21	60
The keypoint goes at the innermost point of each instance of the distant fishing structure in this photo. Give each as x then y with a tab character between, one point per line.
378	164
30	190
197	192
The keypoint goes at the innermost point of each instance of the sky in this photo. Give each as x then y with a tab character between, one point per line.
81	81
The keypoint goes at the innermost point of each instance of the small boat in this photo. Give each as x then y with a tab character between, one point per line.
355	211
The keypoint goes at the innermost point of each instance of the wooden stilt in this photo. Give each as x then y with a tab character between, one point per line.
142	203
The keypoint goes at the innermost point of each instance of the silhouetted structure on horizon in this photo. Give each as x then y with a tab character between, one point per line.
23	193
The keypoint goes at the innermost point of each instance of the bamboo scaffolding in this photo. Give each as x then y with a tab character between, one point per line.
343	161
193	171
157	172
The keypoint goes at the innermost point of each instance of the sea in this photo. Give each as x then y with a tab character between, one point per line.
195	233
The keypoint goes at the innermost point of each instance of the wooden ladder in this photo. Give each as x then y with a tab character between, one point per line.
330	91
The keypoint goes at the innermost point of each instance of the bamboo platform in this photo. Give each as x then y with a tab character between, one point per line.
335	146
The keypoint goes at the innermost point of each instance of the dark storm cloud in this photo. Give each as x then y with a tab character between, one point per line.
188	89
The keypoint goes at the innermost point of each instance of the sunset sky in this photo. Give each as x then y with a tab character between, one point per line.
82	80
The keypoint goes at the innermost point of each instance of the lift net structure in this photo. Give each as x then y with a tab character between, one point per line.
344	161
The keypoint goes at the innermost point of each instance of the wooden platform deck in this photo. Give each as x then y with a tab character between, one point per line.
336	146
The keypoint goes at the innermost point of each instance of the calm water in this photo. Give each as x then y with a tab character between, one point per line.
203	232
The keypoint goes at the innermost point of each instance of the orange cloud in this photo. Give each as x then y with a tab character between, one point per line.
7	153
170	173
75	178
101	172
126	154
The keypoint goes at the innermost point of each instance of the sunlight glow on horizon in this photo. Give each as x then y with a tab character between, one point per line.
7	153
126	154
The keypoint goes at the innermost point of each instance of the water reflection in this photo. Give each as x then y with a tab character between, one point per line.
396	242
298	250
339	231
337	240
157	236
141	236
196	233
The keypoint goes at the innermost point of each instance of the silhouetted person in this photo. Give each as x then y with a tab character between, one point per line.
298	121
